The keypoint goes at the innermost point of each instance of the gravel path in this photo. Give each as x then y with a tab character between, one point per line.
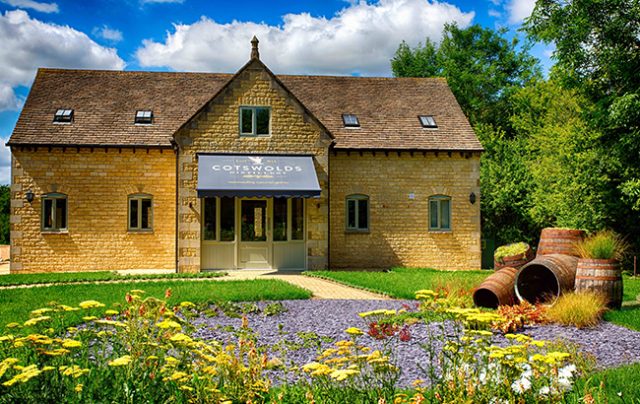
612	345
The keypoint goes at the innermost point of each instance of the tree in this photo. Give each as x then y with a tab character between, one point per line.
480	65
598	55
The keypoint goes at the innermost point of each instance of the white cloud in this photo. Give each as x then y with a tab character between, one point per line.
28	43
494	13
361	38
5	162
8	99
109	34
35	5
519	10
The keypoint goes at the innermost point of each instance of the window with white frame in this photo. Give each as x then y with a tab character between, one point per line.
140	212
440	212
255	121
357	213
54	212
288	219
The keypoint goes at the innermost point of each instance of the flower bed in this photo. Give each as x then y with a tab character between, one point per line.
323	351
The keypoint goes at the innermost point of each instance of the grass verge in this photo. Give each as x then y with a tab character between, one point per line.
619	385
66	277
16	304
402	283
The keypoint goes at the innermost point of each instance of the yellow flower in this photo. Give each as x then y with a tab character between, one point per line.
187	305
168	324
72	329
27	374
36	320
184	387
74	371
90	304
152	358
111	322
71	343
111	312
6	365
342	374
40	312
6	338
78	388
68	308
13	325
89	318
57	352
180	337
354	331
122	361
178	376
138	291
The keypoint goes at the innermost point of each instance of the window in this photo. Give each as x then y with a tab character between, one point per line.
63	116
255	121
427	121
358	213
288	219
218	219
440	212
54	212
140	212
350	121
144	117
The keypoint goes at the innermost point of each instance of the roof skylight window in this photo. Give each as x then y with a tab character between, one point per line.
144	117
63	115
350	121
427	121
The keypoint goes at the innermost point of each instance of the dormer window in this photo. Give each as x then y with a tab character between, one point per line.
350	121
63	116
144	117
427	121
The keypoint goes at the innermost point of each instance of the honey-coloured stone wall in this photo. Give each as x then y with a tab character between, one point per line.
97	183
216	130
399	187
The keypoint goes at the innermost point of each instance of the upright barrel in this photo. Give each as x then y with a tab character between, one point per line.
602	276
546	277
515	261
559	241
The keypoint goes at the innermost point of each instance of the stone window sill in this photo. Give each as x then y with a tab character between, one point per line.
54	232
351	231
441	231
138	231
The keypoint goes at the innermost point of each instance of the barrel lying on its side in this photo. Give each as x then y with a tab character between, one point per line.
546	277
497	289
602	276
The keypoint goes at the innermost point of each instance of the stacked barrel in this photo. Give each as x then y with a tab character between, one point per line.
555	269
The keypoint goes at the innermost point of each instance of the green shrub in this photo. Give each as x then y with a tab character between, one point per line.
583	309
602	245
510	250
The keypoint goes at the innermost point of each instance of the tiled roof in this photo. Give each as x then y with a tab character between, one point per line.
105	103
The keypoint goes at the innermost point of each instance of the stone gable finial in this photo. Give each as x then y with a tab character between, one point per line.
255	54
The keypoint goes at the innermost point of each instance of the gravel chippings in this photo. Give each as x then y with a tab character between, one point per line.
612	345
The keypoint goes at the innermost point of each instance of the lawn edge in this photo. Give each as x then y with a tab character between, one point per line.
311	274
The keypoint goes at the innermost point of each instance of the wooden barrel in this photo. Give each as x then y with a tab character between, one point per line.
559	241
546	277
497	289
514	261
602	276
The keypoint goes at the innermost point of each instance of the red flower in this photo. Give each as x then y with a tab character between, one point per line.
404	334
167	293
128	298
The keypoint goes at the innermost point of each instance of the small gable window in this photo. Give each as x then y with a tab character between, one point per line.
358	213
427	121
440	212
140	212
63	116
350	121
144	117
54	212
255	121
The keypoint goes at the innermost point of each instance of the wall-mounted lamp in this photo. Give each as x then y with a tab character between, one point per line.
29	195
472	198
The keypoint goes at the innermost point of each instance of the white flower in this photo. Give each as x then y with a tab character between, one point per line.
521	385
544	391
566	371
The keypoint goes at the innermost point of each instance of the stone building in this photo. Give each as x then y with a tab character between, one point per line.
194	171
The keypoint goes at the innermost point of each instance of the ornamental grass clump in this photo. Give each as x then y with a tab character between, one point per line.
604	245
579	309
510	250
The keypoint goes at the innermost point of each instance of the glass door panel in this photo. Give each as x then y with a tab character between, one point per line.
253	220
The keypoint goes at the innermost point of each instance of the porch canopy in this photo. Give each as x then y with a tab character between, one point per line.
255	175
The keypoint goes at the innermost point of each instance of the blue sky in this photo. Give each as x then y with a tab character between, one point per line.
296	36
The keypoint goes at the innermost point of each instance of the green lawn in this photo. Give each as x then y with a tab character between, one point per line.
16	304
621	385
63	277
403	282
